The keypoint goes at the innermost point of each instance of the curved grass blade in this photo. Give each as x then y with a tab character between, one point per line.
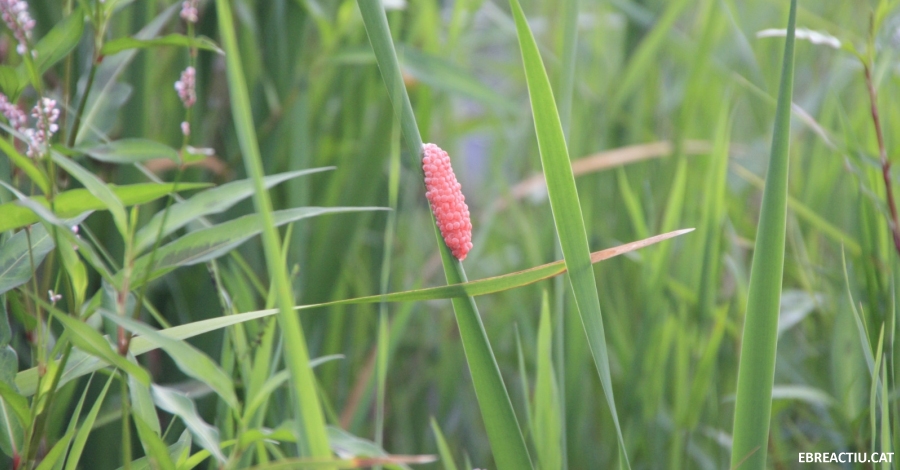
211	201
756	371
129	151
504	434
566	208
310	420
210	243
80	364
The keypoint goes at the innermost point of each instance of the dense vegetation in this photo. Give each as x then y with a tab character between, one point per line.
147	143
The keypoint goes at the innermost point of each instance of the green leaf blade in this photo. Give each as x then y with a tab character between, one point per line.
566	207
756	371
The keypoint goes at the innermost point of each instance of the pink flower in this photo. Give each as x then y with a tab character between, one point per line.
46	114
185	87
15	15
16	117
448	204
189	11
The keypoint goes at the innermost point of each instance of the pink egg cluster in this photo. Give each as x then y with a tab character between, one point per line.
447	201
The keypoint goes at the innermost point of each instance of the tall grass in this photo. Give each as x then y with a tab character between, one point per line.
166	334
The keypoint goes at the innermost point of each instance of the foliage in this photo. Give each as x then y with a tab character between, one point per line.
143	324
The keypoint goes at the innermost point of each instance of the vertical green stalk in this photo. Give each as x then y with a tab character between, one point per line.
312	438
507	443
756	372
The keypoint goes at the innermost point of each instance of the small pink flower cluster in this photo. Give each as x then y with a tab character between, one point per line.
448	204
15	15
16	117
186	87
46	114
189	11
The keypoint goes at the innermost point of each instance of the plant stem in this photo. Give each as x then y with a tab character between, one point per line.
882	155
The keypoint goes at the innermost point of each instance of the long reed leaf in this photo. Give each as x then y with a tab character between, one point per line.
503	430
756	370
312	438
566	208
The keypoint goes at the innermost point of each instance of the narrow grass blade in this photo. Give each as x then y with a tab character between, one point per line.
547	430
211	201
96	187
566	207
79	365
507	443
84	429
443	449
210	243
313	440
130	151
756	371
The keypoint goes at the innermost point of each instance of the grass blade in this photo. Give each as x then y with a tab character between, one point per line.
77	366
566	207
312	437
507	442
756	371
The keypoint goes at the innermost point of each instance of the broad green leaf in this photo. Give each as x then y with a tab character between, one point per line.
15	258
96	187
189	359
75	201
85	427
12	81
11	430
130	151
180	405
211	201
142	403
80	364
26	165
566	208
90	341
210	243
57	43
15	402
122	44
756	370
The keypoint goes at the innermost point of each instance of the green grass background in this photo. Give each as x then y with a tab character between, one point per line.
630	72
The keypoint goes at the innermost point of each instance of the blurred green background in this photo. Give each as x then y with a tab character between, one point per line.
690	77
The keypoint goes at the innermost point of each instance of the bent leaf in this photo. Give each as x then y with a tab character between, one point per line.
80	364
189	359
210	243
73	202
130	151
123	44
211	201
